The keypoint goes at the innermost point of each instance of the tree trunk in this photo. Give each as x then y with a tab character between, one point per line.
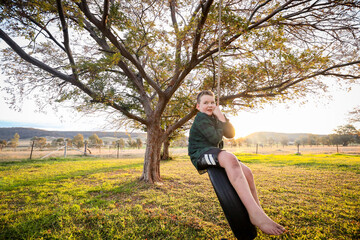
151	170
165	152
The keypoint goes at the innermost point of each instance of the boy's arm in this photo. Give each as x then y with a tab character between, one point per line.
228	128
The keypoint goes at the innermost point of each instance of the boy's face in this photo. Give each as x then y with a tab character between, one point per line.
206	105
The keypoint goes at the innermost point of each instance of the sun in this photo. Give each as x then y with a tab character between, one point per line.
243	126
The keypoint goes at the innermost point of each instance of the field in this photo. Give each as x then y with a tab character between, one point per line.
313	196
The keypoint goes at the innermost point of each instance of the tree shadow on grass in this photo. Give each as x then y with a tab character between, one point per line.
127	187
80	173
38	227
24	162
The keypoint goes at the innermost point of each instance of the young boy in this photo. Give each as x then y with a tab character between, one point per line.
205	149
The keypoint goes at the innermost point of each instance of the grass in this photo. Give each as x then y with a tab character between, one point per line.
313	196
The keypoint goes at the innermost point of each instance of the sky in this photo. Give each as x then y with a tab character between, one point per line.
320	115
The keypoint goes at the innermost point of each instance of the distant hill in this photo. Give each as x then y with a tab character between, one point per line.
25	133
260	136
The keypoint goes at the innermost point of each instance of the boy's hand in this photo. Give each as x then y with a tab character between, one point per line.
217	112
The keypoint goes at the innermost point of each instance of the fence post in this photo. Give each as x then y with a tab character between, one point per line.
118	146
65	148
257	147
85	149
32	147
298	151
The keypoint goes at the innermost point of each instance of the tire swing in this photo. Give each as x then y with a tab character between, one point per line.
234	210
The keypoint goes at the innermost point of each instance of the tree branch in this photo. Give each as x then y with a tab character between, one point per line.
105	13
66	38
246	94
290	82
257	8
32	60
198	31
178	41
68	78
121	109
324	72
181	122
85	9
253	26
176	81
46	30
145	100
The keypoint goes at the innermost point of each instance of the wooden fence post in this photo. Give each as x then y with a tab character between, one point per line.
32	147
298	146
65	148
85	149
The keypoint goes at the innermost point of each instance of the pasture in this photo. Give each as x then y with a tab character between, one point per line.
313	196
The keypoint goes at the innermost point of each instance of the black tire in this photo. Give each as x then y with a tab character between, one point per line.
234	210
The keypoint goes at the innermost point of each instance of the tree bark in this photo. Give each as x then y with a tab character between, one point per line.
151	170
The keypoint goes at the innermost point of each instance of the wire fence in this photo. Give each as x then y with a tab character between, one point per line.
114	152
70	151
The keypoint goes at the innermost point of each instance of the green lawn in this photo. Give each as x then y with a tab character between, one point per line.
313	196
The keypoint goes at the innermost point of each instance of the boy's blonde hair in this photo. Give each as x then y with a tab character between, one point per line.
202	93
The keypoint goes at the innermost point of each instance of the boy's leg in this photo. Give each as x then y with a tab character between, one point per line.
250	179
237	178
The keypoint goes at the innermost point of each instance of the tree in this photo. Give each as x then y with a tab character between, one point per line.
121	143
14	142
131	143
180	141
311	140
141	60
95	140
346	134
2	144
139	143
335	139
325	140
240	141
284	141
165	154
78	140
39	142
271	141
68	142
57	142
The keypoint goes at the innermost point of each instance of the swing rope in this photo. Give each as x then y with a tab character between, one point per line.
219	54
234	210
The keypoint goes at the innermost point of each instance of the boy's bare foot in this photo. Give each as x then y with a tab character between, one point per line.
267	225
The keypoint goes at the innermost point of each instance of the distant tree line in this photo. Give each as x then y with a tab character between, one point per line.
77	141
343	135
28	133
13	143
